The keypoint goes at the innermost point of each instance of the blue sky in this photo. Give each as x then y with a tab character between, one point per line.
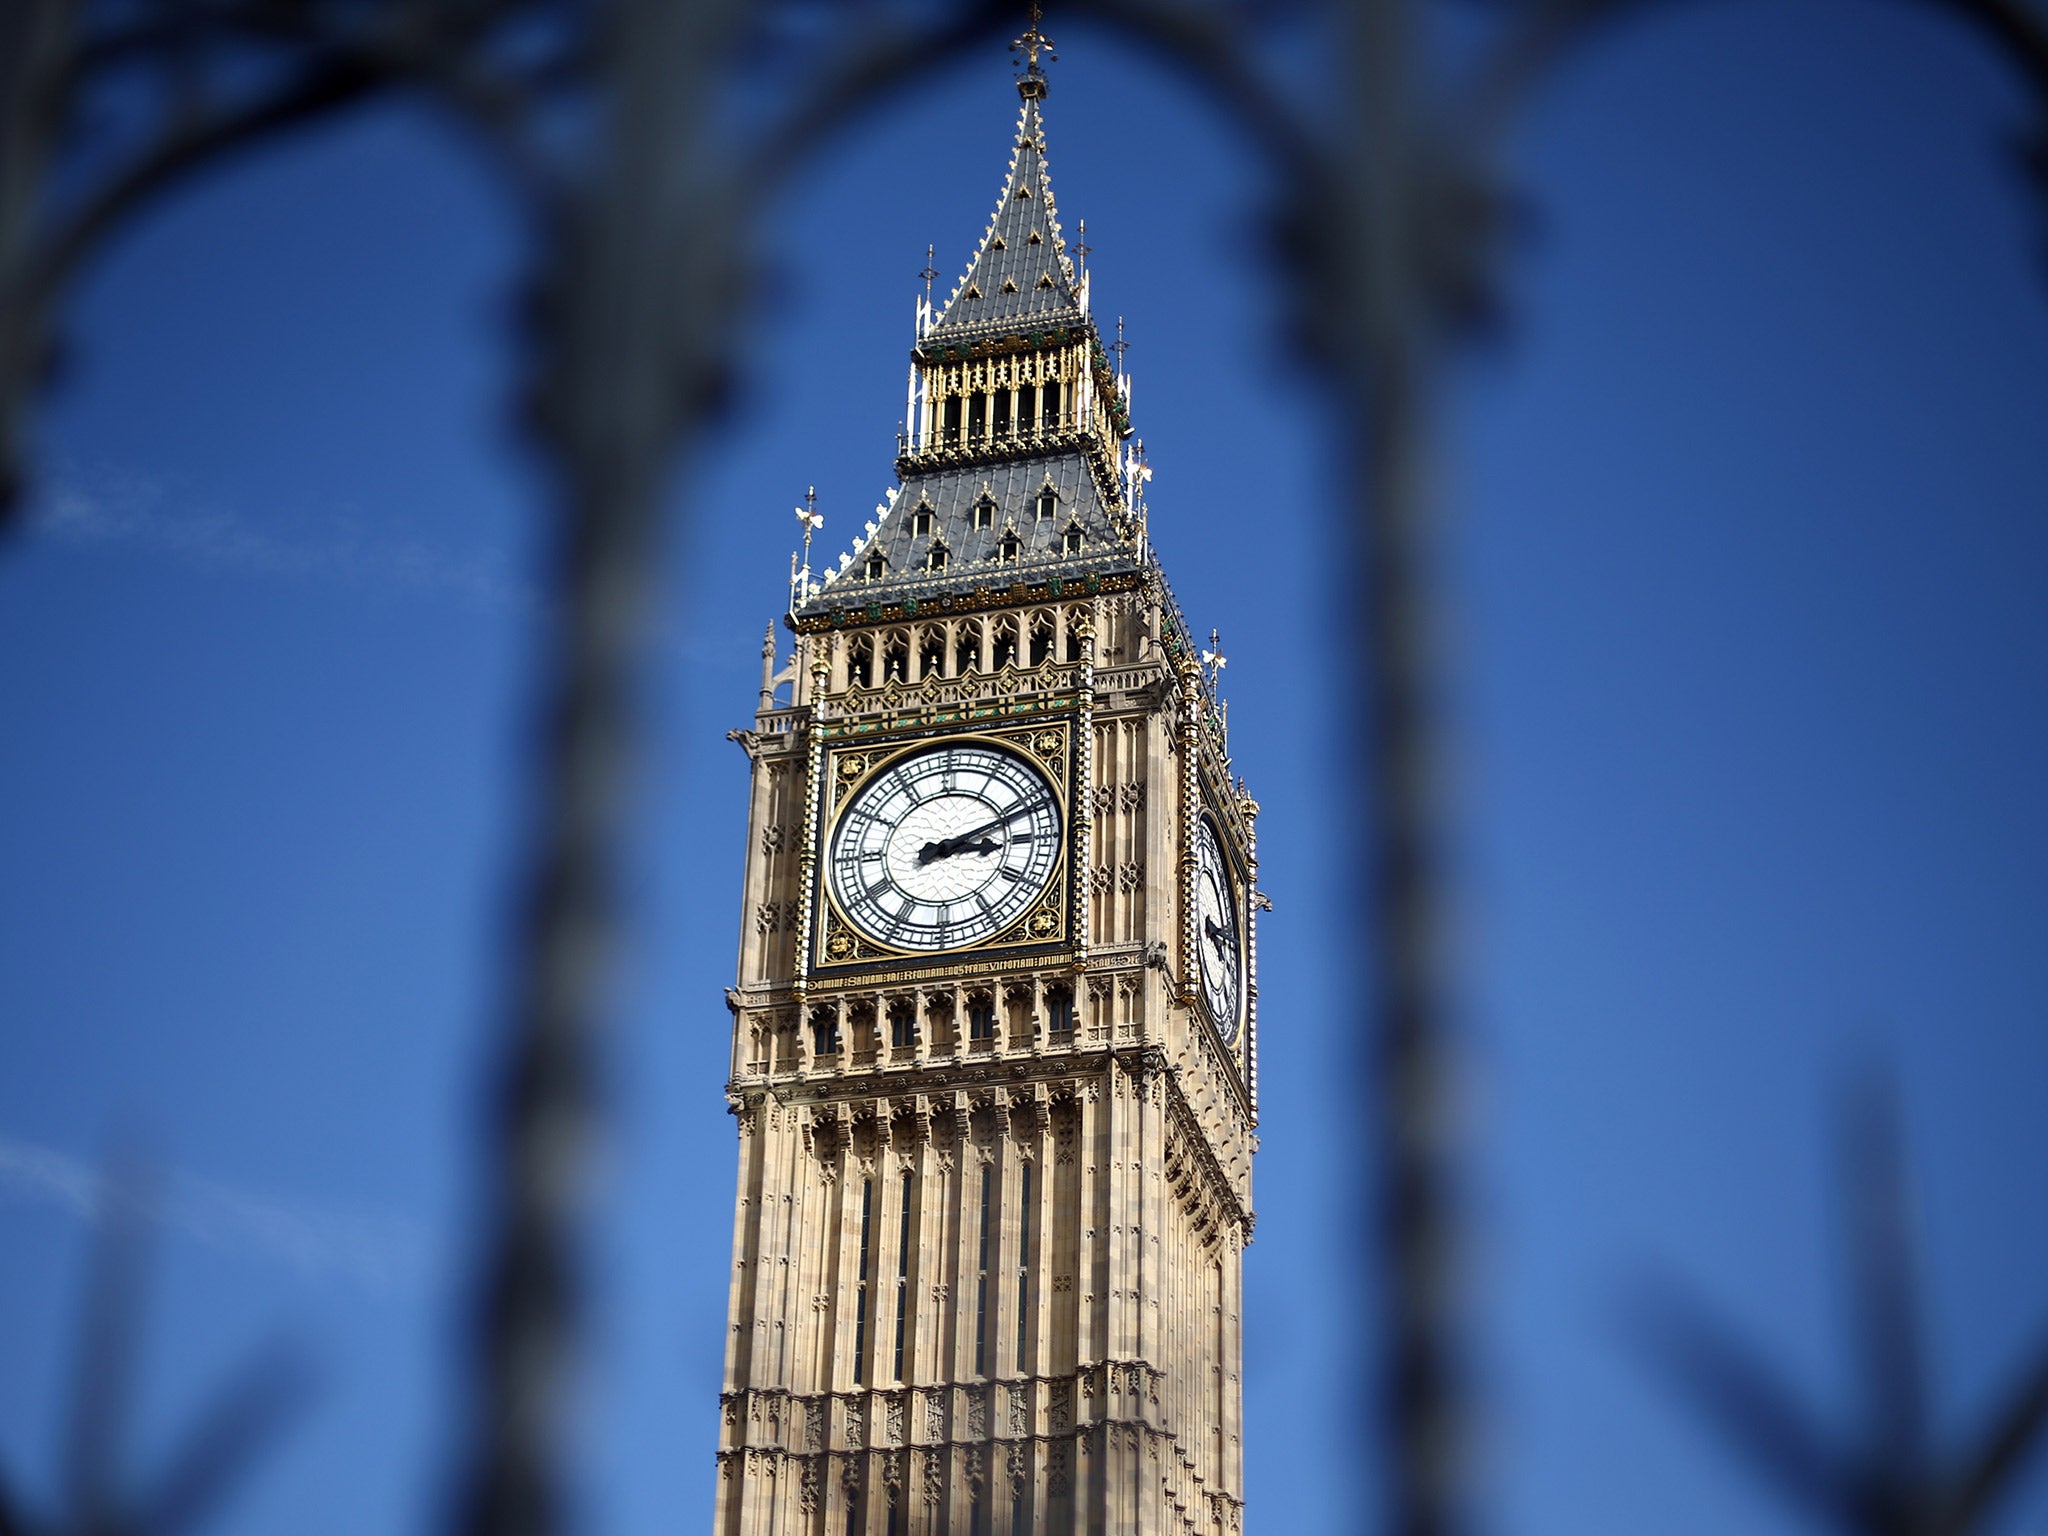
1744	557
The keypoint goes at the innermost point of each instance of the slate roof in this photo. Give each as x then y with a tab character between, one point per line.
1011	280
972	553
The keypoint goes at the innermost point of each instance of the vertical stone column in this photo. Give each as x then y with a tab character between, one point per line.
753	946
1233	1361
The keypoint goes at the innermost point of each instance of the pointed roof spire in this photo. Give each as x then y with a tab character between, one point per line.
1021	274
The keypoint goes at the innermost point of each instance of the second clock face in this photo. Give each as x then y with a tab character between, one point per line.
946	847
1217	936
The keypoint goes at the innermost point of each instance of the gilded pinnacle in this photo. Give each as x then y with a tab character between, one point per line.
1032	84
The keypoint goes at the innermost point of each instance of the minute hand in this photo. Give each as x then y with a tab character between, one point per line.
952	845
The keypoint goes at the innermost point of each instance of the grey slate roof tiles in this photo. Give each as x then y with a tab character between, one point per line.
973	553
1013	277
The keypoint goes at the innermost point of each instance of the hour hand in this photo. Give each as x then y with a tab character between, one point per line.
1217	936
968	839
953	845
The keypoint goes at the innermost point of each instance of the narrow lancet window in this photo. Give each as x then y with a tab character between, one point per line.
903	1277
1023	1270
860	1284
981	1280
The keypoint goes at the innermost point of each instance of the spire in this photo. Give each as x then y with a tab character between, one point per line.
1011	463
1021	273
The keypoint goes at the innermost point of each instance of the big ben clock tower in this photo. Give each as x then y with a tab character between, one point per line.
994	1055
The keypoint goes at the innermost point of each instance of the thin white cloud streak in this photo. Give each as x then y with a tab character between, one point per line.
109	510
378	1254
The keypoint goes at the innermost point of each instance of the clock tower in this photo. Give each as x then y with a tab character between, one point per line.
994	1060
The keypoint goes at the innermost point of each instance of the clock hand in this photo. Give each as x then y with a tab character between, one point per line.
1217	936
953	845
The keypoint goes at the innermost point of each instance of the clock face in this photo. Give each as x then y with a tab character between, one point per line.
947	847
1218	940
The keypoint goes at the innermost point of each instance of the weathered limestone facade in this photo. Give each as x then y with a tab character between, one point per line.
993	1199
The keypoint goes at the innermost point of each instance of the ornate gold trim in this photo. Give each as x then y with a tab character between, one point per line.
838	941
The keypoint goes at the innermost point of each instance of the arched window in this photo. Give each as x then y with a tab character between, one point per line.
1059	1010
1041	641
902	1026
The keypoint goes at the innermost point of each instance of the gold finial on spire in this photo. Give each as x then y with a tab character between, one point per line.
1032	84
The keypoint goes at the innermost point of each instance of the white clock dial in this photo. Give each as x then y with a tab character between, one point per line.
946	847
1218	939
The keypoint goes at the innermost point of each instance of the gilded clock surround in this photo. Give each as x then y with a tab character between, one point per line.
1045	926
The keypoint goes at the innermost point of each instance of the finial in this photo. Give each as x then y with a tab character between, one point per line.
1119	346
1032	84
931	254
1214	660
810	519
1081	245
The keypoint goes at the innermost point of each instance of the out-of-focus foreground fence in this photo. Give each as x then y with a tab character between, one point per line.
643	138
